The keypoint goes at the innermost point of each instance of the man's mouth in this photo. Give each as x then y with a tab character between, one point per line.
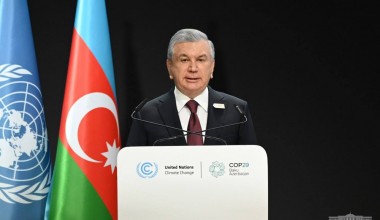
191	78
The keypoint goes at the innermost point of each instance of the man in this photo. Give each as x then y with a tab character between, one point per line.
211	118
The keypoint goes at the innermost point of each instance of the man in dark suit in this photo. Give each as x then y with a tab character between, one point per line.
181	115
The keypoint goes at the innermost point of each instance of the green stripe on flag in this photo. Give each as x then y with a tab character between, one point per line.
73	197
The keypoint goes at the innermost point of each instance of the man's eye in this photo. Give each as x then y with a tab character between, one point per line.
184	60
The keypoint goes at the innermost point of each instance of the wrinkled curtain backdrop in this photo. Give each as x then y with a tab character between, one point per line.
307	70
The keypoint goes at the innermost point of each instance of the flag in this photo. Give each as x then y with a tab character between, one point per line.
25	166
84	182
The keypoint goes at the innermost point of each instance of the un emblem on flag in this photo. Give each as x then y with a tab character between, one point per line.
24	156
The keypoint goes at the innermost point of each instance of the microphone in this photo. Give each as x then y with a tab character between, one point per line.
183	135
139	107
239	110
142	103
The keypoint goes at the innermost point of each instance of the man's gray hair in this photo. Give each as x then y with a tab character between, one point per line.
189	35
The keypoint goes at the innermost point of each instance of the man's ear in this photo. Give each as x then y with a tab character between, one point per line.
168	66
168	63
212	73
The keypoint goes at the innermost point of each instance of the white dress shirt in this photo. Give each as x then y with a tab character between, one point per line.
184	112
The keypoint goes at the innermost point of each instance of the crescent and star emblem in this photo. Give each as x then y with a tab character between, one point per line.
77	112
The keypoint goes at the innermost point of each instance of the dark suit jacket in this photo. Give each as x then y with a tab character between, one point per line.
163	110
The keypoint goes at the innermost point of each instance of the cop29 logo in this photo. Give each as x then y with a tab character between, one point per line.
147	169
217	169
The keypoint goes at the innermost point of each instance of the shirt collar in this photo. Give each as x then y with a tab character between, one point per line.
182	99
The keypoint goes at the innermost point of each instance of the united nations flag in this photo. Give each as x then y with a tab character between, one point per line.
25	172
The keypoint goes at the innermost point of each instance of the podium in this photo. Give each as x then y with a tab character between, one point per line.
193	182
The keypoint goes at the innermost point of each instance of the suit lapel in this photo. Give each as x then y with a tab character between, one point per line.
169	115
215	117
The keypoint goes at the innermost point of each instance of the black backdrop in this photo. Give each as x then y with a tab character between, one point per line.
306	69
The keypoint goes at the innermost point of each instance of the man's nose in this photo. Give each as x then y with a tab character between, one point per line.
192	66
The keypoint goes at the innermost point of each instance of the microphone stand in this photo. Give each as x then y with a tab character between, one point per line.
183	135
138	108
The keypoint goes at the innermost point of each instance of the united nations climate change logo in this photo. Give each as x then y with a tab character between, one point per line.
24	157
147	169
216	169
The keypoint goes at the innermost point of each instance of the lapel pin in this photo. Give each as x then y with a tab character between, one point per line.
219	105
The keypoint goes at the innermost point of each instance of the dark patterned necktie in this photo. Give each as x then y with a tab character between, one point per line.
194	125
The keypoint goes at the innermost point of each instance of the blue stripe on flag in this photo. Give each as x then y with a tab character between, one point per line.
93	14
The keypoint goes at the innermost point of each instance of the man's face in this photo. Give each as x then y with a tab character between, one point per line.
191	67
